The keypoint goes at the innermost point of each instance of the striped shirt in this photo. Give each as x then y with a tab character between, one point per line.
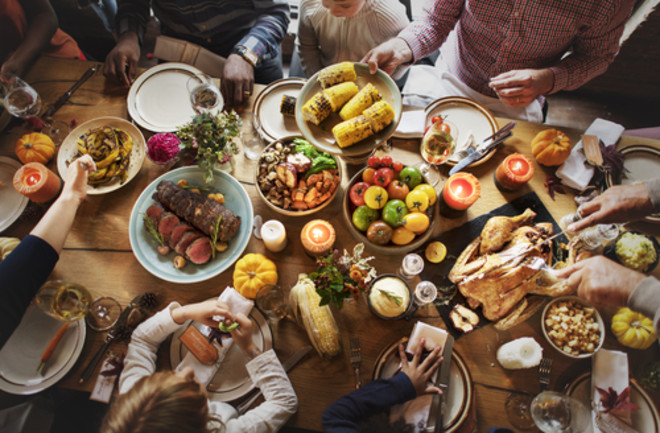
218	25
493	37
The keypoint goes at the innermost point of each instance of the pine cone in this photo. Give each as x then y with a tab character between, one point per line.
148	301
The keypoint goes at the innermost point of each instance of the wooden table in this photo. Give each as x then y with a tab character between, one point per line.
98	255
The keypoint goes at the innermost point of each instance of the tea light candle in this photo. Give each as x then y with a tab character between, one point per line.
35	181
318	237
273	234
460	191
514	172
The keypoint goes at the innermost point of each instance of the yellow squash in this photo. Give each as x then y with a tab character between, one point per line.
35	147
253	271
551	147
633	329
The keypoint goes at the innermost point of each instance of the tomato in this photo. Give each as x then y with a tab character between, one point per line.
411	176
397	167
394	211
375	197
402	236
386	161
357	193
427	129
383	176
417	201
430	192
379	233
368	175
373	161
397	190
416	222
437	118
445	128
363	216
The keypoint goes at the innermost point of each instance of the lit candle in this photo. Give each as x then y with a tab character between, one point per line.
514	172
35	181
460	191
273	234
318	237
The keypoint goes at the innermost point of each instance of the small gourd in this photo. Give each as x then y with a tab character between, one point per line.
253	271
551	147
633	329
35	147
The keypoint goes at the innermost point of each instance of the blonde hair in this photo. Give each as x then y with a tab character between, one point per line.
160	403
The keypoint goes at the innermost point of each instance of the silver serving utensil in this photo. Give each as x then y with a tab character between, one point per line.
443	383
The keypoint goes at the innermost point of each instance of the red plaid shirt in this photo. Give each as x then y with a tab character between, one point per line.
495	36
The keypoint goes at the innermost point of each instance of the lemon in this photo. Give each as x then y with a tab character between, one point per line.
435	252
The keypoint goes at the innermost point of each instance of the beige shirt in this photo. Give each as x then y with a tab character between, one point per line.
324	39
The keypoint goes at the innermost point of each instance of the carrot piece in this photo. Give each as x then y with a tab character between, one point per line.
51	346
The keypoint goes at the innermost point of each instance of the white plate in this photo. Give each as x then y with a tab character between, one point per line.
69	149
159	101
466	116
13	202
458	393
644	420
642	163
232	380
21	354
275	125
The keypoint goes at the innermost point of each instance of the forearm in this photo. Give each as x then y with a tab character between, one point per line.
645	299
41	28
133	15
307	45
269	30
55	225
653	189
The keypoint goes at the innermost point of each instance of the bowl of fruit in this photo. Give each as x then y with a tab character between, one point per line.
295	178
390	207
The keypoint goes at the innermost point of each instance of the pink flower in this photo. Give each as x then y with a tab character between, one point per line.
163	147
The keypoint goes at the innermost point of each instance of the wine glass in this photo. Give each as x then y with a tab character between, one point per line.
270	300
19	98
436	148
554	412
517	407
411	266
253	144
204	94
425	293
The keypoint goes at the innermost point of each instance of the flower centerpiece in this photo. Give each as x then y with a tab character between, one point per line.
212	136
338	277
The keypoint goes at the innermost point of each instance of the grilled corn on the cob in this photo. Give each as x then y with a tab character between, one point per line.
337	73
339	94
351	131
288	105
379	115
366	97
316	109
318	320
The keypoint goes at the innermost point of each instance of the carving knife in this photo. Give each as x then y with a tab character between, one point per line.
288	365
484	147
443	383
65	97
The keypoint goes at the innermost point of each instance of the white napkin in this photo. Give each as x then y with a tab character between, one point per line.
416	411
609	369
573	172
412	123
204	373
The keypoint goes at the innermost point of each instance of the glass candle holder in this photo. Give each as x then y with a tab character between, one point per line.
318	237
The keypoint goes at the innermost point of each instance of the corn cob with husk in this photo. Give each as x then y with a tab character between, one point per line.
288	106
379	115
316	109
339	94
318	320
364	99
351	131
337	73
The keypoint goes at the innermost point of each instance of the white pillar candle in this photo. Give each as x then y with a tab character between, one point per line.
273	234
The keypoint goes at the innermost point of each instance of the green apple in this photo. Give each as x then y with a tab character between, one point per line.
394	211
363	216
411	176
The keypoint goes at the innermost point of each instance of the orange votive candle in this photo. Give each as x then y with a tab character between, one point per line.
461	190
514	172
35	181
318	237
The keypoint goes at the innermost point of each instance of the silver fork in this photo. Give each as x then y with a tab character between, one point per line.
356	358
544	373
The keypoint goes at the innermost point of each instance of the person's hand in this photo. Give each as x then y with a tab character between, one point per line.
420	372
11	69
202	312
601	281
125	54
237	82
242	335
618	204
519	88
388	55
75	180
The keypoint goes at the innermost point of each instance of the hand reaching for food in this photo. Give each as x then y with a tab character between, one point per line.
202	312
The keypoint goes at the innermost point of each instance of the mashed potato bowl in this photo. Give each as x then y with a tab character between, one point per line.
390	297
635	250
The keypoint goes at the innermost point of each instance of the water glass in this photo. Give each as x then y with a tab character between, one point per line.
554	412
253	144
19	98
411	266
425	293
103	313
270	300
204	94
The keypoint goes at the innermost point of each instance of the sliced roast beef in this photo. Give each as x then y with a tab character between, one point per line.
154	212
166	223
199	251
186	240
177	233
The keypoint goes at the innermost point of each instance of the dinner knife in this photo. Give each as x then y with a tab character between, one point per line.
484	147
288	365
443	383
62	99
117	328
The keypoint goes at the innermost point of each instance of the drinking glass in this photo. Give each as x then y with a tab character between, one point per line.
554	412
411	266
19	98
270	300
103	313
64	300
425	293
436	148
253	144
517	407
204	94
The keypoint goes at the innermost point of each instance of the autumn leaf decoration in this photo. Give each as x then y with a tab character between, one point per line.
553	184
610	400
612	160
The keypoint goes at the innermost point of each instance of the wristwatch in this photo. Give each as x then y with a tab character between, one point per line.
247	54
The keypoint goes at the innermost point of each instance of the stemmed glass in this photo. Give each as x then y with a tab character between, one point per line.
554	412
436	148
204	94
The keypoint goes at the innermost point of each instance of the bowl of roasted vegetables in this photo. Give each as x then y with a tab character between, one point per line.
345	110
295	178
390	207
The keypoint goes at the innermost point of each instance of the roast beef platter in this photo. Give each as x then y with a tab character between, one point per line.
189	223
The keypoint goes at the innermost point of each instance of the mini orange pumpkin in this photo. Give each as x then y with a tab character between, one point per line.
551	147
35	147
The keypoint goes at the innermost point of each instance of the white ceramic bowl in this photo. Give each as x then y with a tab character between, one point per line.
597	317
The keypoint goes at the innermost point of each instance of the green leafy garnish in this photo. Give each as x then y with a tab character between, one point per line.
151	229
214	238
201	188
398	300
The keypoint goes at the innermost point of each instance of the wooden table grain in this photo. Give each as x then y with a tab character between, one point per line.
98	255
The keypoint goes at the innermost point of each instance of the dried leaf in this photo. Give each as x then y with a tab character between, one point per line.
610	400
612	160
553	184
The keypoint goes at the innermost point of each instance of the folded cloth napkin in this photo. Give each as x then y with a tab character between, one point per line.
204	373
574	172
416	412
609	369
412	123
